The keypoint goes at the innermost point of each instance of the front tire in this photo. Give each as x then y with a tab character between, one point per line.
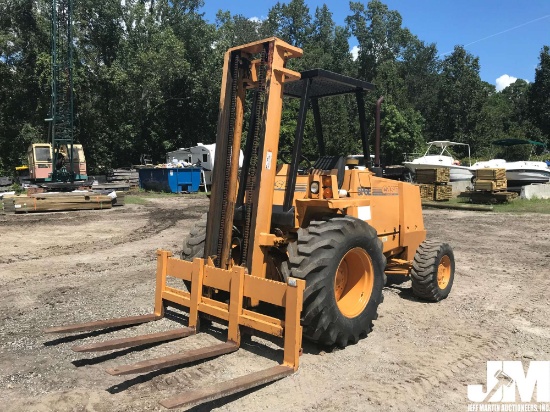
342	262
433	271
193	244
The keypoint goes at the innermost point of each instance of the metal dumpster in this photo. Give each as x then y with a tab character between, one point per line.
175	180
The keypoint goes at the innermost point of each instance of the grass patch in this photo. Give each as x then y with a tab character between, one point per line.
150	193
141	197
135	200
525	206
515	206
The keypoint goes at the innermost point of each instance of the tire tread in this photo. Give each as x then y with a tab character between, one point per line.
424	270
316	246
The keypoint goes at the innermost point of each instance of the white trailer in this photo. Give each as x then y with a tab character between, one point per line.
200	155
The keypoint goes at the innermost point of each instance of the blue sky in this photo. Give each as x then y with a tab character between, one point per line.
507	35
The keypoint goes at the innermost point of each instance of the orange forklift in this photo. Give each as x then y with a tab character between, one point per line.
287	249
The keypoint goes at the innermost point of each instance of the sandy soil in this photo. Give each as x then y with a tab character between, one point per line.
79	266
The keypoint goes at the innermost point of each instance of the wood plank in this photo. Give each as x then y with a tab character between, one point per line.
62	206
174	360
30	206
135	340
102	324
227	388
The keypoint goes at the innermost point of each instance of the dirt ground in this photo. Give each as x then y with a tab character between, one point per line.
80	266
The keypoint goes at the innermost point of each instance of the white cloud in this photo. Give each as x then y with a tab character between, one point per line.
355	52
504	81
256	19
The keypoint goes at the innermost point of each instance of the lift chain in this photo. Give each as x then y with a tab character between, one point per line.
230	133
253	164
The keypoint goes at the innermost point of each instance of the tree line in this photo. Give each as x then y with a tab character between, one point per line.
147	76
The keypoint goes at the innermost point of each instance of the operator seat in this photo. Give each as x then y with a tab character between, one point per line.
332	162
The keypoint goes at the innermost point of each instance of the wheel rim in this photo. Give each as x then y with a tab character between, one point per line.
444	272
353	282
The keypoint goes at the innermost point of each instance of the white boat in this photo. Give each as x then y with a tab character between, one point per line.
518	173
437	155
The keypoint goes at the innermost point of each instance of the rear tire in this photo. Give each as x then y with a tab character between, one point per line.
433	271
342	262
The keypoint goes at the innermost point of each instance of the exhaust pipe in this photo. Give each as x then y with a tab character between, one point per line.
377	139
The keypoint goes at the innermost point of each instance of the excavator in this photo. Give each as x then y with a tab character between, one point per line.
290	249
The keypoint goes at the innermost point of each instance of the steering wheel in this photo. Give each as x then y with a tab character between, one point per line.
285	157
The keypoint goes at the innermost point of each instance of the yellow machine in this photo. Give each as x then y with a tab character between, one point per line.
314	239
69	162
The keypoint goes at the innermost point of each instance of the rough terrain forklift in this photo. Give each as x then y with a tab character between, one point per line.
315	239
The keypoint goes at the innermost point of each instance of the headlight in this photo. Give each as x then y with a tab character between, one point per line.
314	188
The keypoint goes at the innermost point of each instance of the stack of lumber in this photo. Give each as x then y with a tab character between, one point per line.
128	176
490	180
490	186
50	202
433	176
491	174
426	191
443	192
434	183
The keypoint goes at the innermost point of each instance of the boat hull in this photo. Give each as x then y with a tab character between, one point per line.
522	177
518	173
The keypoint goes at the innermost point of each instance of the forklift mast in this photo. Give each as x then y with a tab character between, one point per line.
243	205
259	67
